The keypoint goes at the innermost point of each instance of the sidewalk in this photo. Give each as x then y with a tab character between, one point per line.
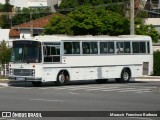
148	78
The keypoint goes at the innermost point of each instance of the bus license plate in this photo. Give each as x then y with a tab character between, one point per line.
20	79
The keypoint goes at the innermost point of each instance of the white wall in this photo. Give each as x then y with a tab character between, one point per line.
25	34
28	3
153	21
37	3
51	4
2	1
5	36
19	3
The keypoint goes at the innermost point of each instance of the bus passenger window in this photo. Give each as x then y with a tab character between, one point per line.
120	48
142	47
103	47
68	47
148	47
127	47
86	47
135	47
76	47
94	48
111	47
71	47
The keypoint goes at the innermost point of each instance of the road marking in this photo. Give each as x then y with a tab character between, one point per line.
27	88
104	88
47	100
124	90
109	88
70	87
74	93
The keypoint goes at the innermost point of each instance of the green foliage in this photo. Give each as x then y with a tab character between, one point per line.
156	69
141	29
23	15
88	20
113	5
5	53
4	19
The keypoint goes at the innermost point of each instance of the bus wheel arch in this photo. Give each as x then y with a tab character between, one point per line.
62	77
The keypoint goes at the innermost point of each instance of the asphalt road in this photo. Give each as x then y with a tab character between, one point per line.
82	96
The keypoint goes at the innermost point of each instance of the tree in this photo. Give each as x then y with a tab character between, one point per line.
119	6
86	20
5	53
4	19
23	15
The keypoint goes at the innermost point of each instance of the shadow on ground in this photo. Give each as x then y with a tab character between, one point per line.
70	83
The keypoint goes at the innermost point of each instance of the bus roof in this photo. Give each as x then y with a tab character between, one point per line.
58	38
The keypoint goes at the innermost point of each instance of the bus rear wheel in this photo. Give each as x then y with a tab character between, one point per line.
125	76
36	84
61	79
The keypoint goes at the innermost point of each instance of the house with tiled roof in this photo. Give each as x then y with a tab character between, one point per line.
29	29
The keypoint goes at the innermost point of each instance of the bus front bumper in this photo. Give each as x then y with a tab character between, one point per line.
25	79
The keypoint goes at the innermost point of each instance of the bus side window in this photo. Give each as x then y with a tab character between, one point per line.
86	47
111	47
103	47
142	47
120	47
148	47
44	50
76	47
68	47
127	47
94	48
135	47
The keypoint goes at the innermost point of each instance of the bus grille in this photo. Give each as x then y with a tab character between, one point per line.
23	72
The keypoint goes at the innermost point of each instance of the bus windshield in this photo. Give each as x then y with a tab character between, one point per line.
26	52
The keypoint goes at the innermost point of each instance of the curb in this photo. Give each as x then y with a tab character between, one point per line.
4	84
146	79
4	80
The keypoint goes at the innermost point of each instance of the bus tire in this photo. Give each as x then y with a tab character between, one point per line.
99	81
61	79
125	75
36	84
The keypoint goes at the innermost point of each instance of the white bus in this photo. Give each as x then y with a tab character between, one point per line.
63	58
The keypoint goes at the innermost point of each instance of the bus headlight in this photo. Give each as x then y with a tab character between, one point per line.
11	71
33	72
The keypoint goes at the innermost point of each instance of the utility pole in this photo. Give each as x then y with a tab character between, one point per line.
31	25
132	17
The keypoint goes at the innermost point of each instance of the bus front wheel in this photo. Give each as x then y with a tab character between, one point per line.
61	79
